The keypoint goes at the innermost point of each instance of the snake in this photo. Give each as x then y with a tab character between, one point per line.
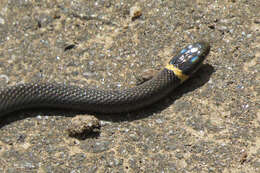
63	96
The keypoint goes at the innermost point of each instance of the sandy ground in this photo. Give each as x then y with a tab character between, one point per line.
210	124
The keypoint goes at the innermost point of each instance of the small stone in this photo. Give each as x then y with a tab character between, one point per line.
243	158
4	79
145	76
135	12
83	126
257	21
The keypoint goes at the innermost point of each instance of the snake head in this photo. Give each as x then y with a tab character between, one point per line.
190	58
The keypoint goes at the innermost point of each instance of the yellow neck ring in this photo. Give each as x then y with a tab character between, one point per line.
177	72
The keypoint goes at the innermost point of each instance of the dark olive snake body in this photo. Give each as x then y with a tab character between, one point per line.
41	95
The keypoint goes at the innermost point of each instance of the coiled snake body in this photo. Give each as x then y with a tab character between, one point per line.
39	95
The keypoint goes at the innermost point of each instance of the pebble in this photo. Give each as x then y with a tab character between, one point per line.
257	21
135	12
4	79
145	76
83	126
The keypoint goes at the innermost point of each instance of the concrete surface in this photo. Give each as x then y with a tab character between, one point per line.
210	124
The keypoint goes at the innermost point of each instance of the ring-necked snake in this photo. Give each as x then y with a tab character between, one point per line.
40	95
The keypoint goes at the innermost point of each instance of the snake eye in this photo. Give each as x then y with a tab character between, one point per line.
194	59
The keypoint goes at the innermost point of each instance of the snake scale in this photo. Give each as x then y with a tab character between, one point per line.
41	95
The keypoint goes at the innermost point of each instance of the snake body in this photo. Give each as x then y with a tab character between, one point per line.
41	95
